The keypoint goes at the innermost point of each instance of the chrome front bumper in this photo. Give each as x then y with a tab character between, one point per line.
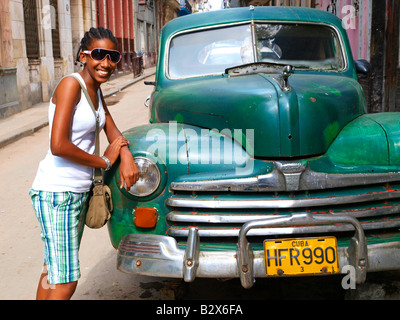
156	255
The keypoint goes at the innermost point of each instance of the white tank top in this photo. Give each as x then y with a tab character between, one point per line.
57	174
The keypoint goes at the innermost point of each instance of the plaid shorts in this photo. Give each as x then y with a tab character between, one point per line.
61	218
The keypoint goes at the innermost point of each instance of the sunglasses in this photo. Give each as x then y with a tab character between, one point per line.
100	54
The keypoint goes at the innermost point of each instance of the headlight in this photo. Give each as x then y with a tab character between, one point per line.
149	177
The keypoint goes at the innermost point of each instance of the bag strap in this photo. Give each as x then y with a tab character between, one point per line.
98	175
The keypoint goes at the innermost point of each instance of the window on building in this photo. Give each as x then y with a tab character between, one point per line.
31	29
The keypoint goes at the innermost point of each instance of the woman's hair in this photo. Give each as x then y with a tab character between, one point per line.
95	33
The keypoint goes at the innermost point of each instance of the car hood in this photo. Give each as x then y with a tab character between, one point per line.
301	122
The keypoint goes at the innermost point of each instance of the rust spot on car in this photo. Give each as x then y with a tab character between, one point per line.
388	187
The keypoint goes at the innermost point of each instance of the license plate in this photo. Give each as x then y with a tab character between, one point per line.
301	256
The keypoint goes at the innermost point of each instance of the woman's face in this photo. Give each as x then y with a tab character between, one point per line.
100	71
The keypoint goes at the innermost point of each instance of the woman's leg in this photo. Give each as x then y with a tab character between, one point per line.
63	291
46	291
43	286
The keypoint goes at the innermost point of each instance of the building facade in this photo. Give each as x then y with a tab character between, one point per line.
146	33
118	16
40	39
38	48
8	68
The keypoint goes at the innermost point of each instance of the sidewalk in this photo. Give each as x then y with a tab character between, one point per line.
33	119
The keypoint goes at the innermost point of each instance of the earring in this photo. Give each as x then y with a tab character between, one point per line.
81	63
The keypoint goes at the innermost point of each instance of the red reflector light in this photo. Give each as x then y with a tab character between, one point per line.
145	217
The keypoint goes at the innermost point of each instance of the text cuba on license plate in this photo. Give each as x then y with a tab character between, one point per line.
301	256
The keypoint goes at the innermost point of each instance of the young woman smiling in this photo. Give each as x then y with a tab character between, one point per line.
62	184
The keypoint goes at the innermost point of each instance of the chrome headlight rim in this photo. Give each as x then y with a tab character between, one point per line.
156	184
162	169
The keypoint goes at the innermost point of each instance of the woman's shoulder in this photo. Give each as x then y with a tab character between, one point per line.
72	79
69	81
68	86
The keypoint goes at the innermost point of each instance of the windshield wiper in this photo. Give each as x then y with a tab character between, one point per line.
256	67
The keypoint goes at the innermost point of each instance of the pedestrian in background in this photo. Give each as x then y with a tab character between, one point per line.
63	181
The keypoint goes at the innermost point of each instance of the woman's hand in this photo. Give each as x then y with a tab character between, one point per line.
113	150
129	173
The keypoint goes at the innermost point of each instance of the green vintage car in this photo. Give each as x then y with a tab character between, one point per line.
260	159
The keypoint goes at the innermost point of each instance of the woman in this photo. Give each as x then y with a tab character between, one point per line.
60	191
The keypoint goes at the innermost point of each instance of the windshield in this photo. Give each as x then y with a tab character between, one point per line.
212	51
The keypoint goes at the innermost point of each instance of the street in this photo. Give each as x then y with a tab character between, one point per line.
21	250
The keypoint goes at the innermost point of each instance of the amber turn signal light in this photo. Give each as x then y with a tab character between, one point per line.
145	217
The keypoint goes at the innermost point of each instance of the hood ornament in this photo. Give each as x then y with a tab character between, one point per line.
283	79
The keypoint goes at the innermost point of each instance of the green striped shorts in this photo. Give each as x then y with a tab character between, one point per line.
61	218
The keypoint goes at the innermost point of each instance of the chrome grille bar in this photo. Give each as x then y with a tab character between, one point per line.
234	231
203	203
220	218
219	207
287	176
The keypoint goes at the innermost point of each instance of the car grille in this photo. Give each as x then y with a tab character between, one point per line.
221	211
